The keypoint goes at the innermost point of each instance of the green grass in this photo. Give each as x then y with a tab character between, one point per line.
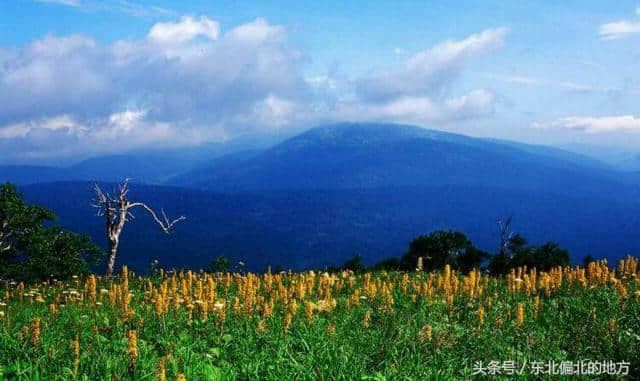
334	345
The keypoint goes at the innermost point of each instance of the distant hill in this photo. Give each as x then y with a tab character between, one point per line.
382	155
319	197
149	166
313	228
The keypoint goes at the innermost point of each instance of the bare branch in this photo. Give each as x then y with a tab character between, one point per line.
506	235
166	225
116	209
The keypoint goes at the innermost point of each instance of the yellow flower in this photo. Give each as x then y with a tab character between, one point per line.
287	321
35	331
426	333
367	319
161	371
133	347
519	315
75	347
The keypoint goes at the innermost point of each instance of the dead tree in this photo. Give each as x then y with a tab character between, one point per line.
117	211
506	235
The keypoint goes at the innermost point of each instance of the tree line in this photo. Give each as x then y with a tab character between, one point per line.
33	247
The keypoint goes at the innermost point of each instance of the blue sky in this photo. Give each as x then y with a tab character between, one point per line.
81	77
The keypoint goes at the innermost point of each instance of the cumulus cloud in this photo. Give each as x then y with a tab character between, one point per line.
430	71
416	90
185	29
620	29
592	124
420	109
187	82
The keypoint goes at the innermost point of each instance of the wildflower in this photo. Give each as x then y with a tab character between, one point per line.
481	315
35	331
161	371
287	321
181	377
261	328
75	348
331	329
519	315
367	319
308	311
426	333
613	325
133	347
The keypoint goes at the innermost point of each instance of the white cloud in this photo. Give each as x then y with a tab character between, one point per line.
184	30
189	82
14	131
561	85
592	124
416	91
120	6
620	29
429	72
70	3
420	109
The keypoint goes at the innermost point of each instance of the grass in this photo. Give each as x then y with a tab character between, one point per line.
373	326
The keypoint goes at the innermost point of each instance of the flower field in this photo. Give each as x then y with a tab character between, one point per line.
371	326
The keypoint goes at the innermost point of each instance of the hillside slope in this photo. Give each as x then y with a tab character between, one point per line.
382	155
312	228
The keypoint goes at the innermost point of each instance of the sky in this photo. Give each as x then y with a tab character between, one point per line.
80	78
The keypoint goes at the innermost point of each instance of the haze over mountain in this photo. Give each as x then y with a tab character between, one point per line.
149	166
386	155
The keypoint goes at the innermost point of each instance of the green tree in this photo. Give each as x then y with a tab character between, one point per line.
442	248
542	257
218	264
32	250
354	264
18	220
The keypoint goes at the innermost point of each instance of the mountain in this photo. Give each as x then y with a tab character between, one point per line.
29	174
355	156
319	197
149	166
301	229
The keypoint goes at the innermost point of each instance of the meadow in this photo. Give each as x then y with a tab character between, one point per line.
314	325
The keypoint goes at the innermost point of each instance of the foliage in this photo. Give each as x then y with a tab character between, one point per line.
442	248
218	264
389	264
543	257
354	264
308	326
37	251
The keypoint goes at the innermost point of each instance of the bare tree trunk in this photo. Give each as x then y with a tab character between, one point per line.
113	250
116	210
